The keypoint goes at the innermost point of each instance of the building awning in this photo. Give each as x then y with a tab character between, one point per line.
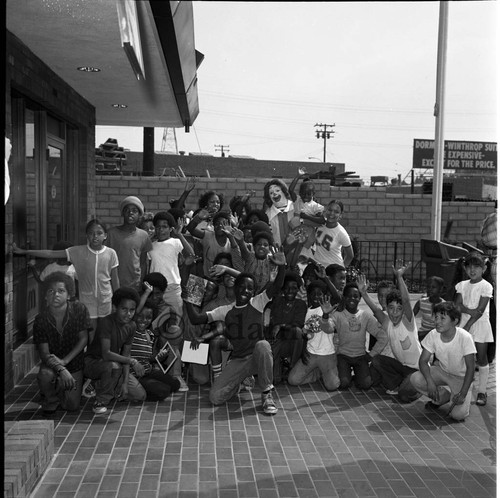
150	81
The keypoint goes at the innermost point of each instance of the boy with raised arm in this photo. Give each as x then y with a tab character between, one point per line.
251	354
401	328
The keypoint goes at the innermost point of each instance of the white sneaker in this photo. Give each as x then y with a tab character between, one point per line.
392	392
184	387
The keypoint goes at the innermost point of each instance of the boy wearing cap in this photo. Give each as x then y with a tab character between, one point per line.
130	243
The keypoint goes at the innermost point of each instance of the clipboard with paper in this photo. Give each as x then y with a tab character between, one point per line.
199	355
171	353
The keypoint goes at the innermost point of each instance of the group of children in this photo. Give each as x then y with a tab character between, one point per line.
277	306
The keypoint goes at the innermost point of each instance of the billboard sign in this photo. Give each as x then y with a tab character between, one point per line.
463	155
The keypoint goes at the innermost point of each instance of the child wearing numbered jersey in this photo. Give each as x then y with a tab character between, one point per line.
332	238
448	380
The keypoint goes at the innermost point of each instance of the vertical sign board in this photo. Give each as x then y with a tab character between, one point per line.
462	155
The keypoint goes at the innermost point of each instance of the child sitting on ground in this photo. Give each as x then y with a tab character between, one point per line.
401	328
449	379
473	300
425	304
166	324
319	360
155	384
352	325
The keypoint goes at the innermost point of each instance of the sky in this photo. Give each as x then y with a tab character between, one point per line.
272	70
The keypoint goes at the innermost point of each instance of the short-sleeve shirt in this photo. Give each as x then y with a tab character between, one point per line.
75	320
403	338
118	334
129	247
450	354
165	259
352	329
244	324
329	243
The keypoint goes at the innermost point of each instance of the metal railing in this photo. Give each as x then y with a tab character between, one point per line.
375	259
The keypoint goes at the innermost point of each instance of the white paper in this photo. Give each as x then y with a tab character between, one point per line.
199	355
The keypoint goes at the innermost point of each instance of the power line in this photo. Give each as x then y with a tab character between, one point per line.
222	149
324	134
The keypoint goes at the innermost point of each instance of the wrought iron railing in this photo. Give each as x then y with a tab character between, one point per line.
375	260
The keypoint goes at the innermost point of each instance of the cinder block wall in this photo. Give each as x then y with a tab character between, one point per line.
371	214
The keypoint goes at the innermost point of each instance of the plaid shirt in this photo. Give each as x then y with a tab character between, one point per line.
75	320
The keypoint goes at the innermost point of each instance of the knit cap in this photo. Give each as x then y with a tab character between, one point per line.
134	201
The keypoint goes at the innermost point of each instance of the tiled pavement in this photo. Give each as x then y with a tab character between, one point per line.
320	444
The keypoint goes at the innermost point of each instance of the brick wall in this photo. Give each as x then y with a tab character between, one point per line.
371	213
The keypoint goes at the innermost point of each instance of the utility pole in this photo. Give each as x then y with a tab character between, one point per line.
324	132
222	148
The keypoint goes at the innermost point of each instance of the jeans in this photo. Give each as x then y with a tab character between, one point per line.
106	376
260	362
318	366
453	382
361	369
52	396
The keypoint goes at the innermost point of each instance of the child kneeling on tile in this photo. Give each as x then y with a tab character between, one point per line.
244	328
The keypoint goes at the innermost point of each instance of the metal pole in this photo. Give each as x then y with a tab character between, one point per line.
437	184
324	144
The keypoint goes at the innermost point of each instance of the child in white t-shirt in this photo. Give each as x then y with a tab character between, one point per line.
319	360
450	378
165	256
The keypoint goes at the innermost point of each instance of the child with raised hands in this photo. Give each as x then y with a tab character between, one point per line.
450	379
473	300
352	325
244	328
319	360
213	241
258	262
401	328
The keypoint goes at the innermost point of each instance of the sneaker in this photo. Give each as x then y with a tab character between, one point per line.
248	383
88	390
184	387
481	399
268	404
392	392
99	408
